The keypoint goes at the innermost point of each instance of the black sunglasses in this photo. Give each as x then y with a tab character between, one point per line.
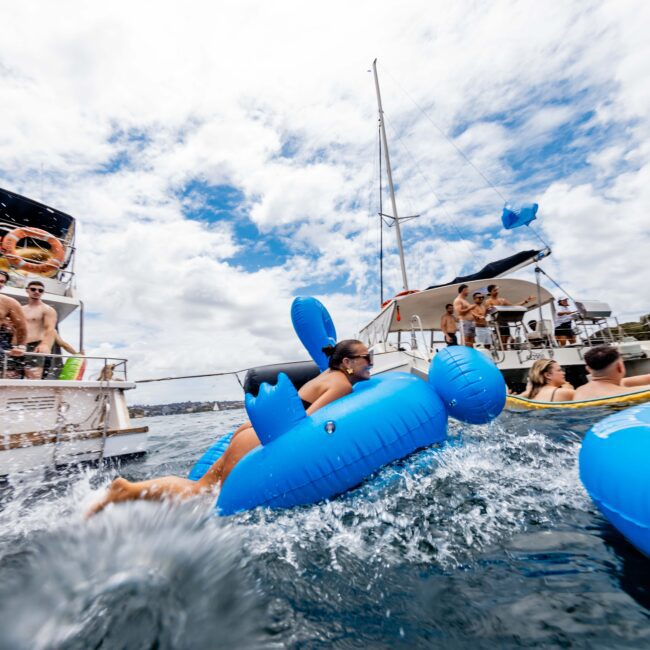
36	289
367	357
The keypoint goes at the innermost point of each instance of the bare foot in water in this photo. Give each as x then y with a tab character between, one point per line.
119	490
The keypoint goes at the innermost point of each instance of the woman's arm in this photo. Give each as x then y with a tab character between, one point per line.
333	392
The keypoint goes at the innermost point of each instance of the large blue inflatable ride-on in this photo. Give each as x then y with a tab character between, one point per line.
615	470
305	459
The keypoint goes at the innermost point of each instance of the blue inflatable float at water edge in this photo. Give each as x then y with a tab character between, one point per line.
615	470
470	385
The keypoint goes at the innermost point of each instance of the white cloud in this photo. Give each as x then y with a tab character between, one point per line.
110	111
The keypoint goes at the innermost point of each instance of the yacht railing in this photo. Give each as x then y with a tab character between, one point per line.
107	368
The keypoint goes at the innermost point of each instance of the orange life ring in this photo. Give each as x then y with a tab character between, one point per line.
399	295
46	267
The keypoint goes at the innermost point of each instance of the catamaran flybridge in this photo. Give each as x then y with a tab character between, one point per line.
65	417
406	333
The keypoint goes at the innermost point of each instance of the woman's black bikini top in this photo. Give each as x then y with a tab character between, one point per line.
305	403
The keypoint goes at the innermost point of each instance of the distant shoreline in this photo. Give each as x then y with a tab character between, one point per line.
181	408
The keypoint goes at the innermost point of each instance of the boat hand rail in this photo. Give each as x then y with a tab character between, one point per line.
114	363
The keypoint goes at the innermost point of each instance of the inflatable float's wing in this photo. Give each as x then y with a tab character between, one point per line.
314	327
275	410
614	468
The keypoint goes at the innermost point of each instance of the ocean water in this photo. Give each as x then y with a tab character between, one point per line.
487	542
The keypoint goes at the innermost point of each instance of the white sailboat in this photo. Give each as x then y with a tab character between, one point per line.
56	421
405	334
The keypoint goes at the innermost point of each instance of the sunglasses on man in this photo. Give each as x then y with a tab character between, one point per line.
36	289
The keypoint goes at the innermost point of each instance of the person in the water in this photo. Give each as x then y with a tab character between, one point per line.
547	383
608	378
349	362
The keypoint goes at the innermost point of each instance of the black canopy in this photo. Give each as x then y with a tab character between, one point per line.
20	211
499	267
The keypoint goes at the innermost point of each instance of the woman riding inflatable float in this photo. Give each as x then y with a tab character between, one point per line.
345	428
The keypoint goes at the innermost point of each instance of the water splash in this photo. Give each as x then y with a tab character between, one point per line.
141	575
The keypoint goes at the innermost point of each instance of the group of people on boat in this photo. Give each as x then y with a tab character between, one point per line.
471	318
25	329
547	380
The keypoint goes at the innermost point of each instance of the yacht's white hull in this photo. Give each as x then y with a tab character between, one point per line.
54	423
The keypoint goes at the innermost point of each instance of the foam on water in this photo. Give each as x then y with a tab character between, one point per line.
441	506
141	575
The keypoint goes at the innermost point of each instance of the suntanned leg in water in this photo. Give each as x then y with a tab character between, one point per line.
158	489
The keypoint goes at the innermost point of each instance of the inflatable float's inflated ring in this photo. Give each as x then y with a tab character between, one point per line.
304	459
41	261
614	468
521	403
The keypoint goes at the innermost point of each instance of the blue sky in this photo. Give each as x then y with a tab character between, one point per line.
223	159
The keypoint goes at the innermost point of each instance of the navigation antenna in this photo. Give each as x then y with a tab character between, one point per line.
394	217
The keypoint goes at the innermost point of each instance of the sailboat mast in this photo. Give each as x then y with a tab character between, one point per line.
389	173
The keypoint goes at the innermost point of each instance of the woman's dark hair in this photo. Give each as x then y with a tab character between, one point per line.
336	353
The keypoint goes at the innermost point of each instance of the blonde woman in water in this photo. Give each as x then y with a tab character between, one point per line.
547	383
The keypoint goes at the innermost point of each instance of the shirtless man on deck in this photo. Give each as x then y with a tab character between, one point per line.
495	300
449	325
12	314
463	310
608	375
41	332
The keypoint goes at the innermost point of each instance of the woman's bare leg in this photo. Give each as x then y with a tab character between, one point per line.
245	441
157	489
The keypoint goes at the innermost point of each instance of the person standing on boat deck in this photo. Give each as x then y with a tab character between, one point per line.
463	310
480	323
13	328
565	314
495	300
41	332
349	362
608	378
449	325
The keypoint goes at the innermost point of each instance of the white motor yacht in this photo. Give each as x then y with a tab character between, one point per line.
77	411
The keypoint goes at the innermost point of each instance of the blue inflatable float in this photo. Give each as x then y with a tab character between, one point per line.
304	459
615	470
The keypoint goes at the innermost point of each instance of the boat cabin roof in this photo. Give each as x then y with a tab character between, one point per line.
429	306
